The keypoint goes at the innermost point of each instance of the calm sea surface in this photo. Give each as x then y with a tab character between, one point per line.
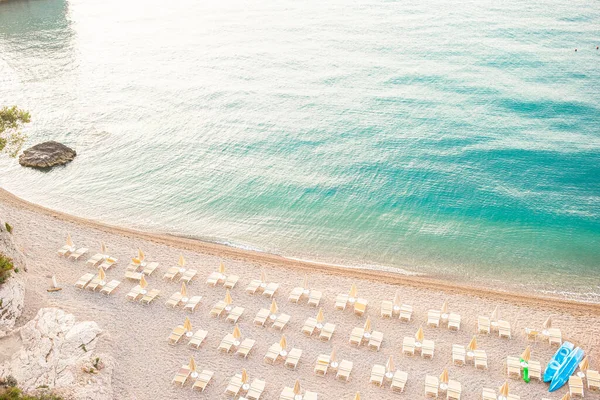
457	139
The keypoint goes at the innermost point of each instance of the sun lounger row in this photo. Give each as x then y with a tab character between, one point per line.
200	382
141	295
276	352
397	379
342	369
94	282
189	304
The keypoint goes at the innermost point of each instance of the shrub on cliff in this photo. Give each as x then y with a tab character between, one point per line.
11	121
13	393
6	266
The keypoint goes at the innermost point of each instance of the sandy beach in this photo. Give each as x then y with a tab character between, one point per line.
136	335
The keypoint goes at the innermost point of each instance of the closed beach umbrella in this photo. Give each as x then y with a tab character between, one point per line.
420	335
283	342
141	255
368	325
192	364
504	389
473	343
305	282
496	314
103	249
397	301
353	290
320	316
263	275
244	376
101	274
297	389
236	332
228	300
332	355
69	240
221	268
548	323
183	290
181	262
55	284
187	324
585	364
445	308
273	309
357	396
444	376
526	354
143	283
389	366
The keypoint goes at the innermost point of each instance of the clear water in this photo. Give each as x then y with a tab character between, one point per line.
458	139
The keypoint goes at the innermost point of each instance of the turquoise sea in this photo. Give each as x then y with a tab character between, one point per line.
455	139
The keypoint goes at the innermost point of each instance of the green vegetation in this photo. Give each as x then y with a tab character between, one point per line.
10	391
6	266
11	121
8	227
13	393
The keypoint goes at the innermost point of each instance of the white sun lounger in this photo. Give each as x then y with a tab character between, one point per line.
150	268
314	298
377	374
110	287
218	309
197	339
230	283
203	380
257	387
340	301
84	281
150	296
375	340
76	255
344	370
182	376
271	289
327	331
254	286
405	313
399	381
188	275
193	303
458	354
134	294
408	346
261	317
171	273
281	321
433	318
292	358
309	326
245	347
273	353
95	260
235	314
174	300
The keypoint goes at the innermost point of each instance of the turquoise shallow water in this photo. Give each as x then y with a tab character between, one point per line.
458	140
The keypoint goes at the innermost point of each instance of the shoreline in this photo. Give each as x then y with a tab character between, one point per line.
394	278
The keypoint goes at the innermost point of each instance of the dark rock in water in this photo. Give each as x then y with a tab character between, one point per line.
47	155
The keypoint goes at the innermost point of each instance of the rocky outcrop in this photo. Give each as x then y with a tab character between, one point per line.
12	297
12	292
60	354
47	155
